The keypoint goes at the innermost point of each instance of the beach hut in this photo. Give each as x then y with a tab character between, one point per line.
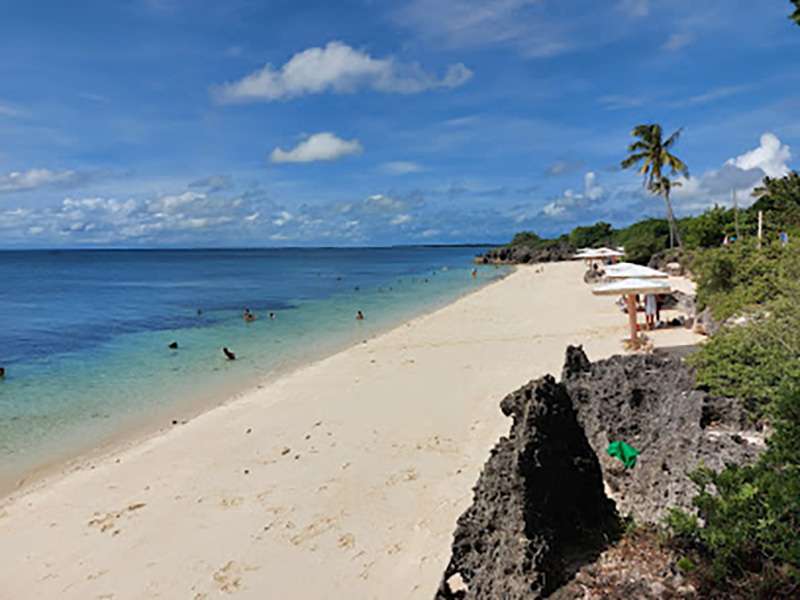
627	270
629	287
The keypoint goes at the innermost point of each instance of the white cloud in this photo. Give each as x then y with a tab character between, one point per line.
474	23
570	199
676	41
282	218
383	202
771	157
401	167
336	68
634	8
741	174
18	181
401	219
320	146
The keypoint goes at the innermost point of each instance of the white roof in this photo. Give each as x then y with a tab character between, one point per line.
632	286
627	270
598	253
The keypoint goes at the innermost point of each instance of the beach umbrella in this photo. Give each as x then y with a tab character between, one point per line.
629	288
597	253
627	270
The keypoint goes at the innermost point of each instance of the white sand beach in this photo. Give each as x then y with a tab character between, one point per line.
342	479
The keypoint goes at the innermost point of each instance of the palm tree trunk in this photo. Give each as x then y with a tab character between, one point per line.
674	234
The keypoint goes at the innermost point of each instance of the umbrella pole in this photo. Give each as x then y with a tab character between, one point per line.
632	315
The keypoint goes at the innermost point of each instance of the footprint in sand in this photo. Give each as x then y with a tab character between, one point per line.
231	502
346	541
409	474
313	530
229	577
109	520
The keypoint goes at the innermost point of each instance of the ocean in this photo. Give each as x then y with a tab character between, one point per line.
84	335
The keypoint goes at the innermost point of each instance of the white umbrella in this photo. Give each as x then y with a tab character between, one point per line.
629	288
630	270
599	253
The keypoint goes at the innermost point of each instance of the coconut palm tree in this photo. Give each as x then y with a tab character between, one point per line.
795	16
653	152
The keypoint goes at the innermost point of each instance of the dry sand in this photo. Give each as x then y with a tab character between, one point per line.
343	479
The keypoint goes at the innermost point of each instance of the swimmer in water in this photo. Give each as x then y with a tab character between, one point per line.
228	354
272	316
359	316
474	273
248	316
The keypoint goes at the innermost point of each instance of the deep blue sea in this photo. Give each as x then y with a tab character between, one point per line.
84	335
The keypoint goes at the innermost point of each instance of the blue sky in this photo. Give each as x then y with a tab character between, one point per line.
145	123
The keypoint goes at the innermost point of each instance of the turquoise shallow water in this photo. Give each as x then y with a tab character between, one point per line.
84	334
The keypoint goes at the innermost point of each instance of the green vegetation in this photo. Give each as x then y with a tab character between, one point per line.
745	537
795	16
748	540
592	236
653	153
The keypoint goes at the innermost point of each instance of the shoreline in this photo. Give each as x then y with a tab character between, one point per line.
141	429
355	467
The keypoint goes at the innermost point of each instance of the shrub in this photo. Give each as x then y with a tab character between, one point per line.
644	239
708	229
599	234
751	514
741	277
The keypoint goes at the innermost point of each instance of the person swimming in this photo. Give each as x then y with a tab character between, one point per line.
474	273
359	316
248	316
228	353
2	372
173	346
272	316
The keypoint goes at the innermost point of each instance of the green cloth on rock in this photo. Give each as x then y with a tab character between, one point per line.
627	454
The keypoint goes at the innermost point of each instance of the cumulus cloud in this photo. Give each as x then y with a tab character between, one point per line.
19	181
741	174
340	69
401	167
320	146
771	156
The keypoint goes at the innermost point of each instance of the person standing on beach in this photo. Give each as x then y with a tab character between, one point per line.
650	309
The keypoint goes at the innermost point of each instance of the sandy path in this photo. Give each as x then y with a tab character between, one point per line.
343	479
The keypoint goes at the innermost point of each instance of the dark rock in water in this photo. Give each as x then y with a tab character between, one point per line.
522	254
539	496
650	402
